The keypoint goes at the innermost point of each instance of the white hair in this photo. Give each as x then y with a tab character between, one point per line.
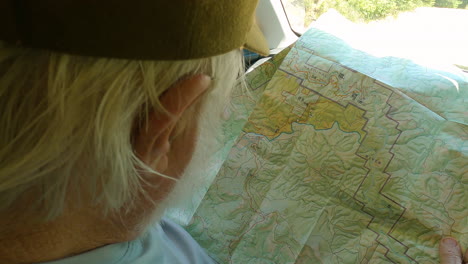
66	123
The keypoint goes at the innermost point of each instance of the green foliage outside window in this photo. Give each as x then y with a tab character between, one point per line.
367	10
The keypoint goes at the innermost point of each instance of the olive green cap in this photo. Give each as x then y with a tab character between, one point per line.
135	29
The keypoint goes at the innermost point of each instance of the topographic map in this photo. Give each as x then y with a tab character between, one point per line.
339	157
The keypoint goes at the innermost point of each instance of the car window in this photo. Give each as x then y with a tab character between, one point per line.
301	13
399	28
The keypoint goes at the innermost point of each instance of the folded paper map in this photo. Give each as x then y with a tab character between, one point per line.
338	156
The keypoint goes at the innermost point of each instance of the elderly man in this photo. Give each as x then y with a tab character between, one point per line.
101	106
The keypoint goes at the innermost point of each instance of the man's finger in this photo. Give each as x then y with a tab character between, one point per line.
450	251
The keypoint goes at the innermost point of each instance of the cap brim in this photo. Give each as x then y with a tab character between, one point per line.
256	42
143	30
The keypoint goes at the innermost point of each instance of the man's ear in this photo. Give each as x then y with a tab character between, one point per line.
151	141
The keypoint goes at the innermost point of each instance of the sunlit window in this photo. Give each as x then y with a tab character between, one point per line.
430	32
301	13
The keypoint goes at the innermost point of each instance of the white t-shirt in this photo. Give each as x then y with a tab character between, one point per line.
165	243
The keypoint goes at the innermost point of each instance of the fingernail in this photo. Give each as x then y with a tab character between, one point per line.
449	242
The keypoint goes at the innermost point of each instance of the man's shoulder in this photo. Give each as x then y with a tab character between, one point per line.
165	243
181	244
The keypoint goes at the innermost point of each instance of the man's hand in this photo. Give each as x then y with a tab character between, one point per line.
451	252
